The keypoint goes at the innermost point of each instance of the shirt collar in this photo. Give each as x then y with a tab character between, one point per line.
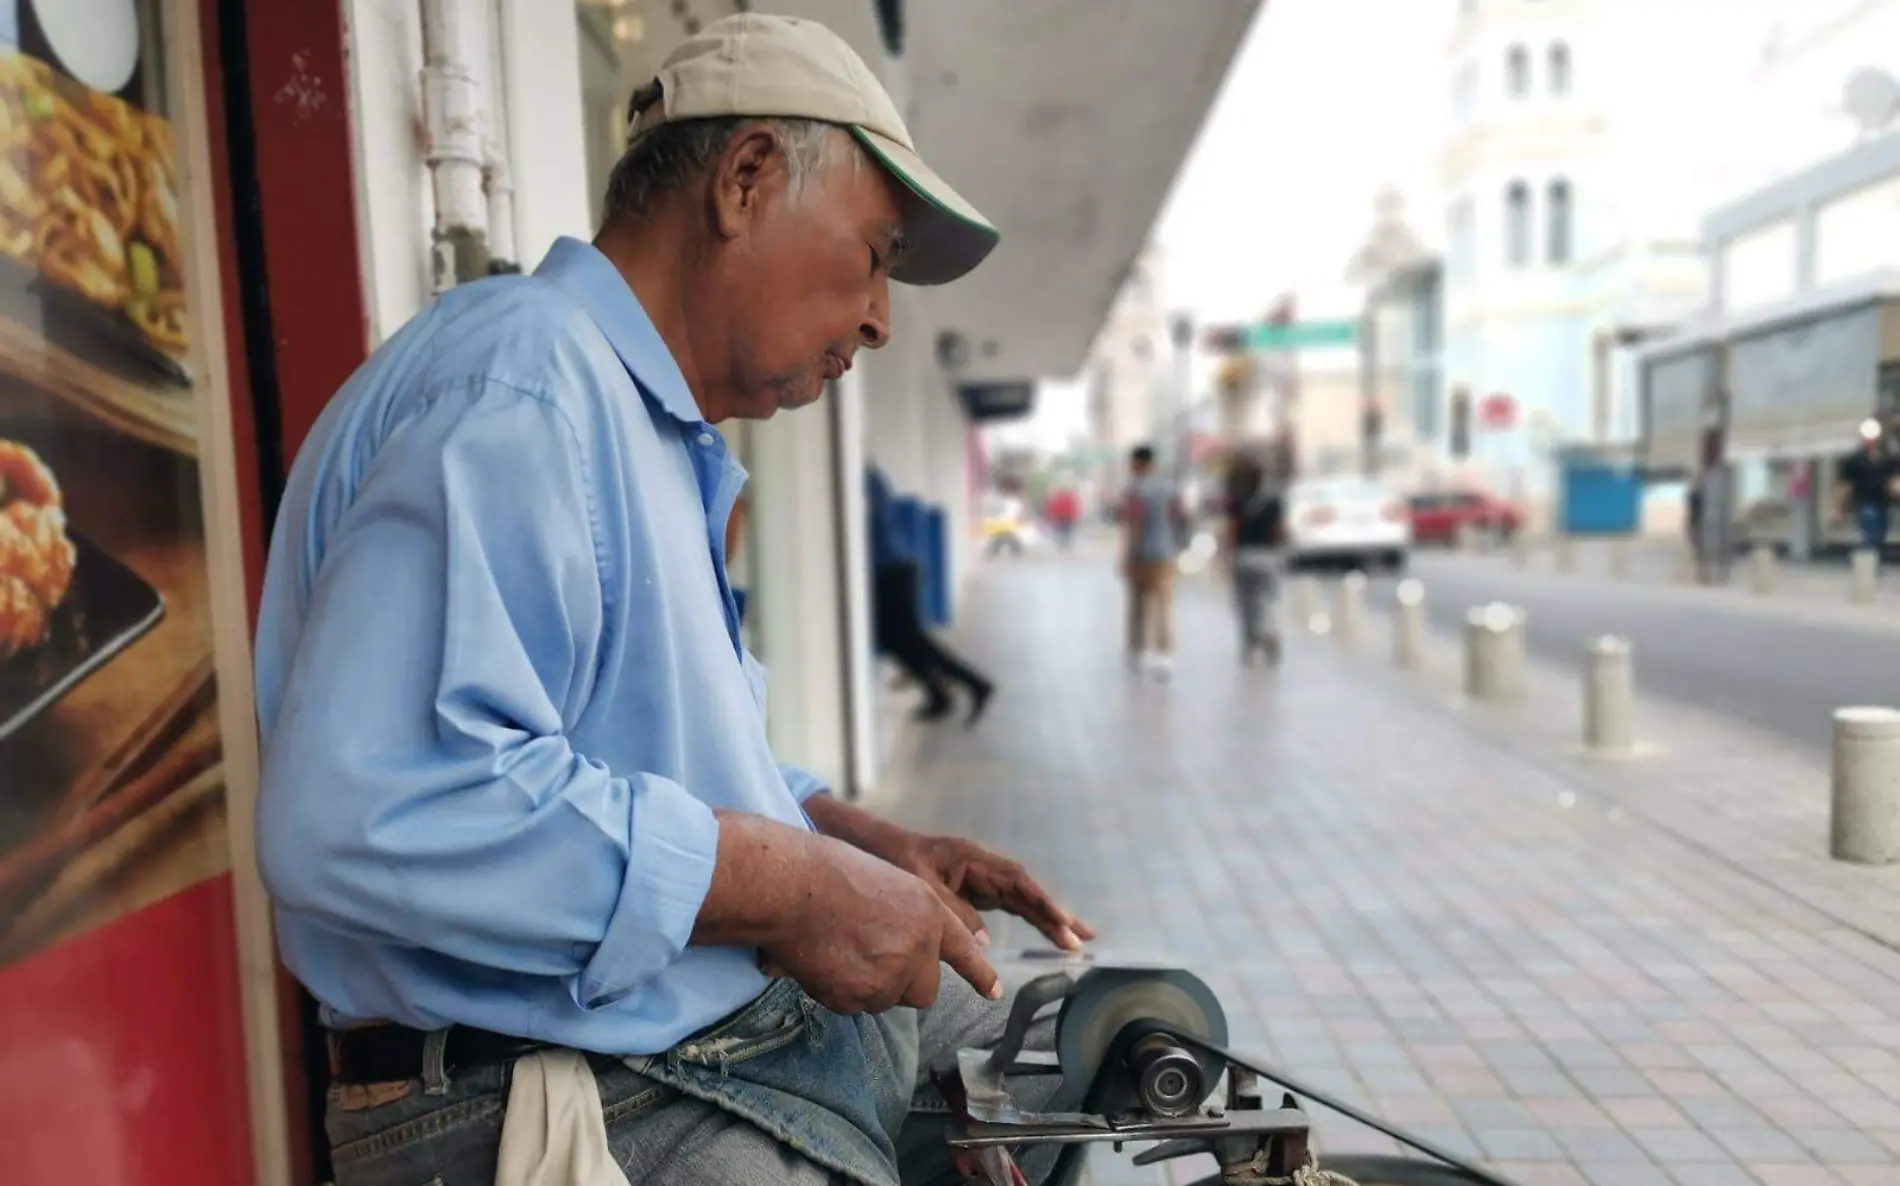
589	277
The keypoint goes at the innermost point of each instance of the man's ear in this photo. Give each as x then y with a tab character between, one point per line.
749	169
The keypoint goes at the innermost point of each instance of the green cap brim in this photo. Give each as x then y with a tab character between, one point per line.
948	236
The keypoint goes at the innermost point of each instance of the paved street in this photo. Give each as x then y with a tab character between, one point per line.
1403	910
1784	674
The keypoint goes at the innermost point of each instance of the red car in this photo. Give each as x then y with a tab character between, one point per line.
1438	518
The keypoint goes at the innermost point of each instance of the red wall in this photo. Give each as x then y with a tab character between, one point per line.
124	1059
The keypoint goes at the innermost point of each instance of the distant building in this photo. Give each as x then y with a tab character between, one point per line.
1131	359
1401	377
1799	340
1572	172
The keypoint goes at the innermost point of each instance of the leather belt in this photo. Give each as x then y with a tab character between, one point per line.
393	1053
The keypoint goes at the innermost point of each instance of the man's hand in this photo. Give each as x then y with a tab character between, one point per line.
856	932
966	876
972	878
872	937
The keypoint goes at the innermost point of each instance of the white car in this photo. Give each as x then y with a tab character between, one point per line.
1353	521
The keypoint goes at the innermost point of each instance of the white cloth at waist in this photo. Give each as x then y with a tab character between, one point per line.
554	1132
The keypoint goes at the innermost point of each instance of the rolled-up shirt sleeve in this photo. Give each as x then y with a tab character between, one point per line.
419	786
802	782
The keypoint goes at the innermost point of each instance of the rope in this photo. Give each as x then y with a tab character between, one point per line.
1307	1175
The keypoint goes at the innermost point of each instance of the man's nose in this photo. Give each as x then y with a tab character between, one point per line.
875	330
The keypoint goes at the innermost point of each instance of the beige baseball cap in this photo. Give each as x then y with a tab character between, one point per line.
782	67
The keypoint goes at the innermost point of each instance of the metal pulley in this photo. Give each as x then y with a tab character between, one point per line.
1169	1077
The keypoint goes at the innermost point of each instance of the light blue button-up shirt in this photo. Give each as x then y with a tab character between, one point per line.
500	680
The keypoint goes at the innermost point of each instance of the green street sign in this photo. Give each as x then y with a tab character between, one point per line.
1300	335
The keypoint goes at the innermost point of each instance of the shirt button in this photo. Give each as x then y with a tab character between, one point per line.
705	438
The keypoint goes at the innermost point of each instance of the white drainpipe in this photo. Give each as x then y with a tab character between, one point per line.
501	208
498	175
451	104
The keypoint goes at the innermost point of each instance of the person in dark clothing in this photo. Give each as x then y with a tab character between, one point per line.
1866	491
897	626
1694	500
1255	543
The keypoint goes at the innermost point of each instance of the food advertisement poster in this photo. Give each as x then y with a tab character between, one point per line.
111	769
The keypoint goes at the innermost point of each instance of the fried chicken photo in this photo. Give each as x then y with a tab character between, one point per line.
36	555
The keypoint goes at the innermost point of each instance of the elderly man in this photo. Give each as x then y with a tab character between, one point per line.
517	792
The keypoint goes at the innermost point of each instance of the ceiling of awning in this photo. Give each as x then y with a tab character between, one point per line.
1064	121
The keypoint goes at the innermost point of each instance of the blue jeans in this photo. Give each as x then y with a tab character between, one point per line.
1871	518
783	1092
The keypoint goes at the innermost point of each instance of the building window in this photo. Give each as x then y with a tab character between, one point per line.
1759	267
1464	92
1517	224
1517	72
1560	69
1558	216
1462	236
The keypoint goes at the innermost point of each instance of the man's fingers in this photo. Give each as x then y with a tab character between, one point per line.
966	913
1030	902
922	991
959	950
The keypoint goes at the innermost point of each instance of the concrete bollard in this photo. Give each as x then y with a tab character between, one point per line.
1408	625
1494	653
1349	606
1865	825
1520	549
1761	570
1305	601
1516	652
1685	565
1566	554
1864	581
1609	697
1620	559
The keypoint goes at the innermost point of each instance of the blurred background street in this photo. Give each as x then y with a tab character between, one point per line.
1461	930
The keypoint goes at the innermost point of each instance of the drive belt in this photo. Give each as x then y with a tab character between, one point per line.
1306	1091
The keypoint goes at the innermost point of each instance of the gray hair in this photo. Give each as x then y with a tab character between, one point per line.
674	155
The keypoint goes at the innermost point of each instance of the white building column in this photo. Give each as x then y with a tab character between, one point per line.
809	591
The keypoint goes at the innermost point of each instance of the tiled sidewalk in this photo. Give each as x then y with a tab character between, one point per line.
1399	909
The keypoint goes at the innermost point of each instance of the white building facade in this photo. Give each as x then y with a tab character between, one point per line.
1573	169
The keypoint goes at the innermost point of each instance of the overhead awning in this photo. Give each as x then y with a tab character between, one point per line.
1804	388
1064	121
1680	393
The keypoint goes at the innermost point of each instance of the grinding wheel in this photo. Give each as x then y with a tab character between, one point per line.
1106	999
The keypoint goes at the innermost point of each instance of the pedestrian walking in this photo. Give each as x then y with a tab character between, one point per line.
897	619
1064	512
1695	499
1864	488
1255	548
1154	528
